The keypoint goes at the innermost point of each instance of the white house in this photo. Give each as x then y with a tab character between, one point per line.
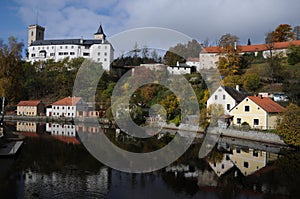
227	96
97	49
68	107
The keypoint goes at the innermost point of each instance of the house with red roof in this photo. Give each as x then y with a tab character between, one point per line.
209	56
31	108
259	112
68	107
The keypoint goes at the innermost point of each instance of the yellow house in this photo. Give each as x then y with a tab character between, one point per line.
31	108
257	111
249	161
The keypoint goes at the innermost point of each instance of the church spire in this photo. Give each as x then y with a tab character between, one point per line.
100	33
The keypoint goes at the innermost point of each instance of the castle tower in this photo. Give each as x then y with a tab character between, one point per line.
100	34
35	33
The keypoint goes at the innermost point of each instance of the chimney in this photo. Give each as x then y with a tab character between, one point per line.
237	87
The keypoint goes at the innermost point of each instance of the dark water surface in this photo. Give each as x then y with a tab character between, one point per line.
58	166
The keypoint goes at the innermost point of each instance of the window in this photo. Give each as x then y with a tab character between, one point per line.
238	120
216	97
66	53
224	97
86	47
60	53
99	47
238	150
247	108
98	53
256	122
66	47
105	54
72	47
86	54
31	33
98	59
105	59
246	164
228	106
60	47
255	153
72	53
32	55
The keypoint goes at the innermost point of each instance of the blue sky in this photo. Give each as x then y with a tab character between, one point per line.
205	19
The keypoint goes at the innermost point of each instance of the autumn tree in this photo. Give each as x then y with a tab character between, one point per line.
282	33
289	125
11	72
229	64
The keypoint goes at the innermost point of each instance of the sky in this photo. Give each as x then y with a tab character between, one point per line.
197	19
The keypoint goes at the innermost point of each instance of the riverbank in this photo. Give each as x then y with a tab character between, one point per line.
251	135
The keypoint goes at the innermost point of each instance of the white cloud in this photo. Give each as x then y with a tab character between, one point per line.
198	19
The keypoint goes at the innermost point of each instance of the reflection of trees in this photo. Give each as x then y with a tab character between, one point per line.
47	154
215	156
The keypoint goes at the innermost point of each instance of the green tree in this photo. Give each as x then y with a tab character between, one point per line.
294	55
288	126
296	32
251	82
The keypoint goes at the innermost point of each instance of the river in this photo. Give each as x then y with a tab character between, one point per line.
53	163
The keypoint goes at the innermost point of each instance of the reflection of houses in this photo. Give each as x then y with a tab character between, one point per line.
87	128
227	96
27	127
248	161
68	107
31	108
222	167
257	111
209	56
63	132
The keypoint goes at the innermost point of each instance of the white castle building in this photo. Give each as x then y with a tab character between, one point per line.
97	49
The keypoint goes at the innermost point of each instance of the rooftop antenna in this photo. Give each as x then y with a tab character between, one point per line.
37	16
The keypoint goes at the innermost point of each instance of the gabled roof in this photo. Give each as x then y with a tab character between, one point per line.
267	104
68	101
29	103
235	94
254	48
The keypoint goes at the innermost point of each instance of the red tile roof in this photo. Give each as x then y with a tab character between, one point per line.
254	48
29	103
68	101
267	104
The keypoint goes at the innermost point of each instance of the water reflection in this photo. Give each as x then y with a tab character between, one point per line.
54	164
